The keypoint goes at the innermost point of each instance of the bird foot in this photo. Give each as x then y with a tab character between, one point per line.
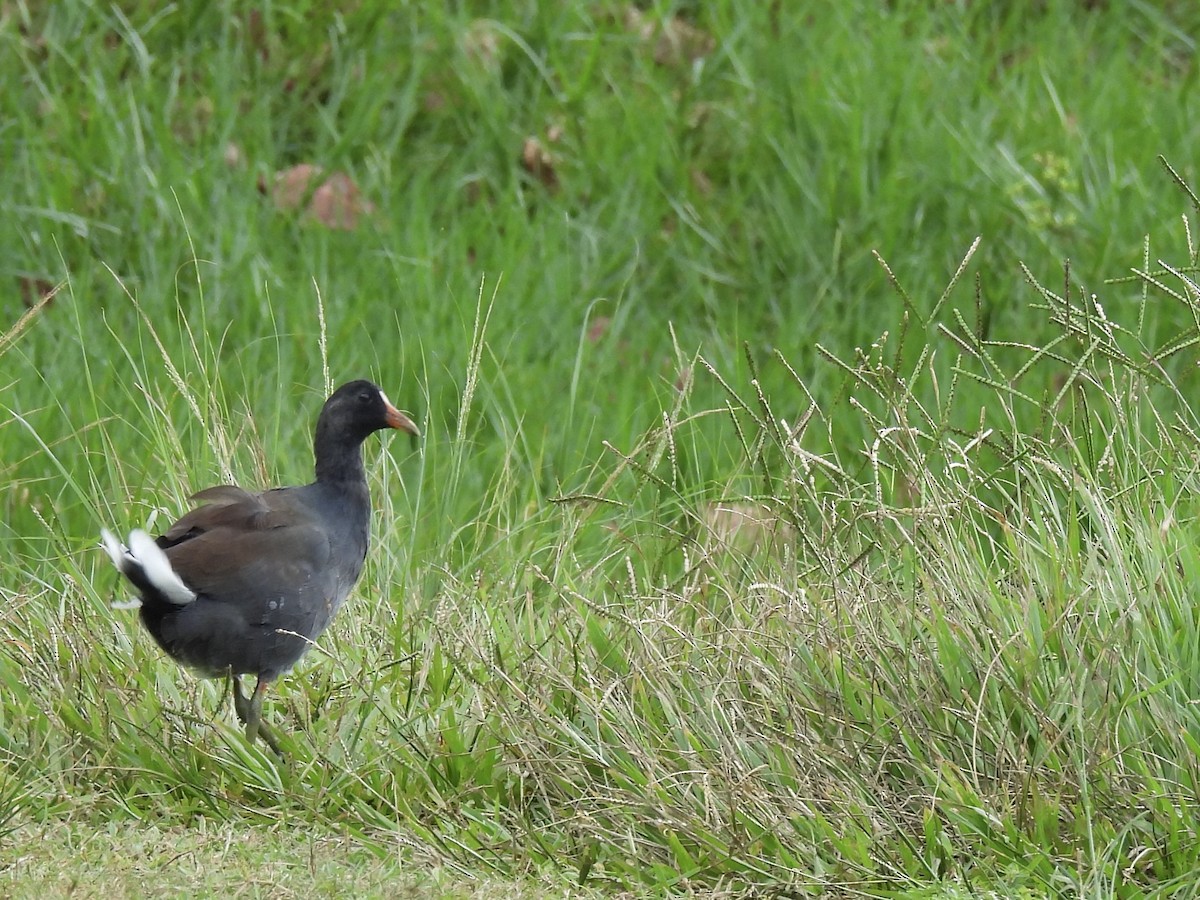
249	712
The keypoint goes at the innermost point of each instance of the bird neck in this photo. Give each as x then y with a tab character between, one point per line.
339	463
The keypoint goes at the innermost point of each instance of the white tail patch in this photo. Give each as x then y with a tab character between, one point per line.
158	568
113	548
142	553
120	558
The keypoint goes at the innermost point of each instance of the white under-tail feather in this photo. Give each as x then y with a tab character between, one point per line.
114	549
142	553
120	558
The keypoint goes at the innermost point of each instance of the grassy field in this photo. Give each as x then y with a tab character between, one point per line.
791	517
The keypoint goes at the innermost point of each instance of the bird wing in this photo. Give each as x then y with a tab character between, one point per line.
261	554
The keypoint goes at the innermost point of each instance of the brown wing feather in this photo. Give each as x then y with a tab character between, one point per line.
224	506
262	553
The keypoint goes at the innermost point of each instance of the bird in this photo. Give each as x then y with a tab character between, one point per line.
244	583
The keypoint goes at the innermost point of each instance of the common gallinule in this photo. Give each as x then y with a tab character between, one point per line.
245	583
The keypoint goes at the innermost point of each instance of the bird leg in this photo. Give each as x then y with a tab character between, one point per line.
249	711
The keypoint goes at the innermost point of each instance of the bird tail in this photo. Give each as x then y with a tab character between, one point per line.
147	567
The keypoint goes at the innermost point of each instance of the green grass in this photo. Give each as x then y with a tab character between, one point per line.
226	860
733	558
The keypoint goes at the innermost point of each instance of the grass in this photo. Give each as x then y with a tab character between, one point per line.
204	859
770	532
